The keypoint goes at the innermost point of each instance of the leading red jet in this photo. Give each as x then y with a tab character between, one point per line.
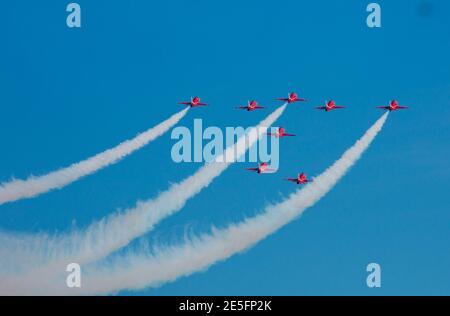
195	101
301	179
262	168
329	106
393	106
251	106
292	97
280	133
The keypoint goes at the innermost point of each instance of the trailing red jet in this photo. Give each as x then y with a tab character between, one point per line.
262	168
329	106
301	179
252	105
280	133
393	106
195	101
292	97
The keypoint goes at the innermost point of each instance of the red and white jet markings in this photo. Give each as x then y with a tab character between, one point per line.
393	106
195	101
280	133
301	179
329	106
292	97
251	106
262	168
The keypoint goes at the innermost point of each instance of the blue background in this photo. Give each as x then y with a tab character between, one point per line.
67	94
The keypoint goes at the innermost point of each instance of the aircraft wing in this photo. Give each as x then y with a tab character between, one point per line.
288	134
321	107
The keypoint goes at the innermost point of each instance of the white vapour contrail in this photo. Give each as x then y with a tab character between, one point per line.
51	253
134	271
34	186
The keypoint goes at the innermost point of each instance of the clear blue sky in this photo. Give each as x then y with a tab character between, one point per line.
66	94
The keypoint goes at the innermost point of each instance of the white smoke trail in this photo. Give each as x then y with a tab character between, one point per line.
50	254
139	271
34	186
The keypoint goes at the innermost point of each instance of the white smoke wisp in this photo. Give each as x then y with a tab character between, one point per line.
36	185
136	271
51	253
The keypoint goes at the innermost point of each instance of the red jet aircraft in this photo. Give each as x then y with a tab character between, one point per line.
292	97
262	168
280	133
393	106
195	101
301	179
329	106
252	105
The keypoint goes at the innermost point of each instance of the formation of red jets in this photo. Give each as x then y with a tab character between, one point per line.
292	98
